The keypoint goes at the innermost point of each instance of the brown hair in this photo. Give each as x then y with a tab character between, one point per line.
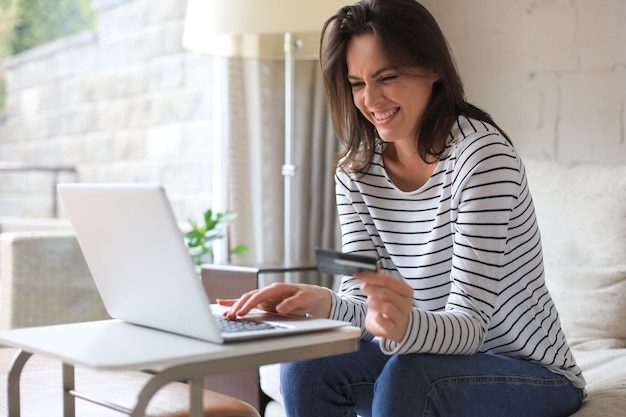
410	37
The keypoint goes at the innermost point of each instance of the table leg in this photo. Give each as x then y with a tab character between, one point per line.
69	401
163	378
195	396
13	382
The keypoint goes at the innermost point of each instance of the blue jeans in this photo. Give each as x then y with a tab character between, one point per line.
370	383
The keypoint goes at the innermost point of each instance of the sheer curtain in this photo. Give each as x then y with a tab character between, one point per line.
256	154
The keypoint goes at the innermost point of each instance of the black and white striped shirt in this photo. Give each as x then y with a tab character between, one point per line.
468	243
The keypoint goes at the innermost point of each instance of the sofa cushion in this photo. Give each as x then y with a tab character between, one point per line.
581	210
606	387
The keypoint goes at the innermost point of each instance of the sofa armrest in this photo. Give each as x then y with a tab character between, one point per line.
44	280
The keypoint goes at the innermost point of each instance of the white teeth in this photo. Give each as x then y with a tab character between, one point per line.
382	116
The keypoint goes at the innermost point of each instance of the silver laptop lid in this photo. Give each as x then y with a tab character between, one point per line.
137	256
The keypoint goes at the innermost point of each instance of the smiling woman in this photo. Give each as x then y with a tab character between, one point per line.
430	186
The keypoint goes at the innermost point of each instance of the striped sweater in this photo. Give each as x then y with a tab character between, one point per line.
468	243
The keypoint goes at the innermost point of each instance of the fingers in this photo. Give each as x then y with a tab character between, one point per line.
296	299
392	327
247	302
389	303
267	299
388	310
295	305
387	320
377	280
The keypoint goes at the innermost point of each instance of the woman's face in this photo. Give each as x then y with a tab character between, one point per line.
392	101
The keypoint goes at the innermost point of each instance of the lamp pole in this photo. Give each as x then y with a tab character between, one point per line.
289	169
222	27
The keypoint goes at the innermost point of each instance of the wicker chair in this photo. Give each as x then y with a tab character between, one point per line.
44	280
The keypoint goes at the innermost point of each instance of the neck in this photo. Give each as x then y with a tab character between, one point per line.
405	167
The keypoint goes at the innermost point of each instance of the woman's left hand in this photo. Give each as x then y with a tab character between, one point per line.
389	304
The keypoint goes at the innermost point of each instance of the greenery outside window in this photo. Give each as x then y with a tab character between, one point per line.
25	24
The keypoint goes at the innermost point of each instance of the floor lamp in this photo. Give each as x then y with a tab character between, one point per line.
284	29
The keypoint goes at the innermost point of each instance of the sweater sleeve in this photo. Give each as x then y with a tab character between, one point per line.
349	304
485	187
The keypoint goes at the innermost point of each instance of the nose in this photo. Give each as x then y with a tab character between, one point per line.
372	95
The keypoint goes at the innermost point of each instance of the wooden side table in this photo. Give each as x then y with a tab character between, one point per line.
230	281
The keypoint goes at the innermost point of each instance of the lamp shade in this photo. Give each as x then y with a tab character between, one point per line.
231	27
237	17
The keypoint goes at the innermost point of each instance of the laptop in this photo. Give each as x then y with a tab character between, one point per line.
137	256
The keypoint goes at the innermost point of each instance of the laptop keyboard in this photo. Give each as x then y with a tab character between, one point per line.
241	325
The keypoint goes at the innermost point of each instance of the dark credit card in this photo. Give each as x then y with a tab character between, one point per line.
339	263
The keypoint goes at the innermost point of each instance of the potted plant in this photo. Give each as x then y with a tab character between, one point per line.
202	235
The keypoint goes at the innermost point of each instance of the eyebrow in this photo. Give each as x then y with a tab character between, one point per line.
375	74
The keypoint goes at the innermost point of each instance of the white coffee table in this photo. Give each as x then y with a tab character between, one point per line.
116	345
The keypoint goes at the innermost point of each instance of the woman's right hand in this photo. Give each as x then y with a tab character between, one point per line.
282	298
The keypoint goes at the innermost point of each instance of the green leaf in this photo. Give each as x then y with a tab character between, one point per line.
239	249
200	238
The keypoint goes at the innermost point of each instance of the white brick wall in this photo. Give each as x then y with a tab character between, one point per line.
551	72
126	103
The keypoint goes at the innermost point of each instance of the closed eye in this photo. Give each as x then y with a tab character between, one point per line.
356	84
388	78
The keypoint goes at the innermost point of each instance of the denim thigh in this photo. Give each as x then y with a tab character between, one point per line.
370	383
335	386
480	385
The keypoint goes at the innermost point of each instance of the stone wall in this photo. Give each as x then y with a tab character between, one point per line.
121	103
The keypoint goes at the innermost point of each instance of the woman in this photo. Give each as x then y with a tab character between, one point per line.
457	321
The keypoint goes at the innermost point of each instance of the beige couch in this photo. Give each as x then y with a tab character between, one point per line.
581	210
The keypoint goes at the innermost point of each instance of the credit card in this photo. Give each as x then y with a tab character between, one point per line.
339	263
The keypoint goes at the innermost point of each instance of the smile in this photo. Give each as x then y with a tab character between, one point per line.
381	117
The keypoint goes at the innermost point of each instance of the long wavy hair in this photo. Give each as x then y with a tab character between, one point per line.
410	37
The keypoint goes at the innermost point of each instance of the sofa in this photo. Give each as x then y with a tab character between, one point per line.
581	210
